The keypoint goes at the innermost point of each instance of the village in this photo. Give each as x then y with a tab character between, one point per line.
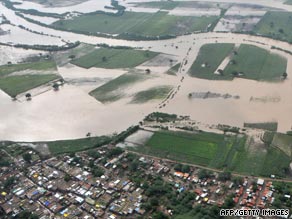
109	182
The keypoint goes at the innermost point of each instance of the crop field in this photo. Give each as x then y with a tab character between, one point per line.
271	162
283	142
209	58
155	93
266	66
114	58
37	66
144	24
276	24
14	84
113	90
71	146
208	149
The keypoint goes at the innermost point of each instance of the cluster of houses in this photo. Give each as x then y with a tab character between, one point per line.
65	187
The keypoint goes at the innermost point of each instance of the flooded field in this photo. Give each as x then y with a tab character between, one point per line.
72	112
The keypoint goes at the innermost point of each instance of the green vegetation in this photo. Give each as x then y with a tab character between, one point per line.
288	2
113	90
262	160
276	24
136	23
266	66
174	69
155	93
67	56
283	142
208	149
14	84
114	58
209	58
37	66
269	126
69	146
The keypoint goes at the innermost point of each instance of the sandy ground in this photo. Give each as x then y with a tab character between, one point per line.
71	112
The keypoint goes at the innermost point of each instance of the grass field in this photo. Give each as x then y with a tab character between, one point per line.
14	84
208	149
67	146
113	90
155	93
283	142
210	55
37	66
276	24
145	24
260	160
266	66
233	153
114	58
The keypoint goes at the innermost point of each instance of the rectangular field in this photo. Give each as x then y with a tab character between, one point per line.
208	149
266	66
276	24
209	58
19	78
114	58
138	23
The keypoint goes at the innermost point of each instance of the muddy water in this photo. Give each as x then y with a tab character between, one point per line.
235	111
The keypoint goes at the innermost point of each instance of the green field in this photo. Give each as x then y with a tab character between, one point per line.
113	90
14	84
155	93
288	2
67	56
276	24
174	69
208	149
211	55
67	146
114	58
235	153
36	66
144	24
266	66
269	126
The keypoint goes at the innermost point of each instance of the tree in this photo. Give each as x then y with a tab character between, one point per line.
148	71
104	59
203	174
224	176
285	75
27	157
28	96
9	182
56	86
67	177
